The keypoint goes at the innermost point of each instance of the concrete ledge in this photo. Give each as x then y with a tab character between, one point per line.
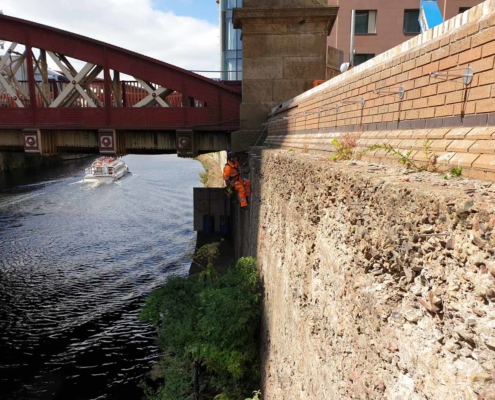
469	148
287	15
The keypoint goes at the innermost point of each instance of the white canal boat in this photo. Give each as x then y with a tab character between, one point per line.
106	169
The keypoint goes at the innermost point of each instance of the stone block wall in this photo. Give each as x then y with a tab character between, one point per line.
280	60
284	52
434	103
378	284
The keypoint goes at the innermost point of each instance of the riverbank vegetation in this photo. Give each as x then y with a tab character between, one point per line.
208	332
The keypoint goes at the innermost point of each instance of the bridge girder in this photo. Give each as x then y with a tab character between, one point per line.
34	106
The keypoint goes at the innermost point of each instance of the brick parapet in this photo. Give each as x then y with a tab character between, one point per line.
468	40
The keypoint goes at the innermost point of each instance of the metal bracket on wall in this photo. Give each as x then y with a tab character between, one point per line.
467	76
303	114
399	92
325	108
360	101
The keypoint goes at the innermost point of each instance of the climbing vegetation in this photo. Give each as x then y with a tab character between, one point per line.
203	176
208	332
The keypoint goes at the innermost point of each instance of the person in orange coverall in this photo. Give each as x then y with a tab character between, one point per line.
233	178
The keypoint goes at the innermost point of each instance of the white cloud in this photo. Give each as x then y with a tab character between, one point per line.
186	42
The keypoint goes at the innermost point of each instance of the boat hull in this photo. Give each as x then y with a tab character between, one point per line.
104	178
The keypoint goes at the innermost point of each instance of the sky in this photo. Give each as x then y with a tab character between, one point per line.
201	9
180	32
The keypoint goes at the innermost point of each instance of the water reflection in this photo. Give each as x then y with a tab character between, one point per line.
76	261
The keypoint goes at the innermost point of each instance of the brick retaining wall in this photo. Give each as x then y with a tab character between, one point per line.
432	107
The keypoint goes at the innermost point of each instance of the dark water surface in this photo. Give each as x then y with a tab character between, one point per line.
76	261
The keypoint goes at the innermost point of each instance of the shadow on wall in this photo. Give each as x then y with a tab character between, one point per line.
13	161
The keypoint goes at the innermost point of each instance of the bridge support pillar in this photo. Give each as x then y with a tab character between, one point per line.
292	57
40	142
111	142
186	143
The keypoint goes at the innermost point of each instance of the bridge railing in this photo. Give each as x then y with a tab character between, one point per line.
131	93
88	92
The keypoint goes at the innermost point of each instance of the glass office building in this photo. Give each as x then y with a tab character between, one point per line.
230	42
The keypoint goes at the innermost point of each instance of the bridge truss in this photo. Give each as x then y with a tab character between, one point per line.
90	94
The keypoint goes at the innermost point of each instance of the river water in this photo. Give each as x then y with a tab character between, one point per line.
76	262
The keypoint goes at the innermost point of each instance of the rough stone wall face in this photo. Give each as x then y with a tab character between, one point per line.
378	284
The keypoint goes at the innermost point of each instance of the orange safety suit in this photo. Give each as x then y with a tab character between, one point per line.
232	176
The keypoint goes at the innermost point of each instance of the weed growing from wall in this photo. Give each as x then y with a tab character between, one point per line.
344	147
455	172
404	157
203	177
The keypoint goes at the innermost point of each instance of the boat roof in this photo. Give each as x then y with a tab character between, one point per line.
106	161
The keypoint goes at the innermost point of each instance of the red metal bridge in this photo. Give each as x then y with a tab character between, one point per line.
162	109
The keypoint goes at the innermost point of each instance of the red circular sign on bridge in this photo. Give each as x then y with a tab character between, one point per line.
106	141
31	141
184	142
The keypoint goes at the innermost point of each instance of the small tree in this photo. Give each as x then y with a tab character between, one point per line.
205	257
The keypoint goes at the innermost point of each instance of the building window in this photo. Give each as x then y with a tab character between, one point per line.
365	21
462	9
411	21
231	35
231	58
234	4
361	58
234	69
